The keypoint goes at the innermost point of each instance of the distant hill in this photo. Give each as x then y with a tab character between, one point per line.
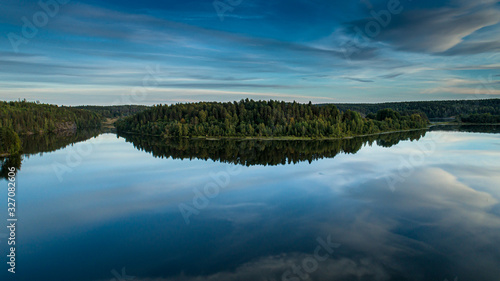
30	117
433	109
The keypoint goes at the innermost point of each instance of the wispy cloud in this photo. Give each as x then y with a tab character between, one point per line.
288	47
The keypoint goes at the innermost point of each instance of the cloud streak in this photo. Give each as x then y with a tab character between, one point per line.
261	45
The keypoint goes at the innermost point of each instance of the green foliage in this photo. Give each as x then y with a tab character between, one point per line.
29	117
480	118
114	111
260	119
9	141
387	113
433	109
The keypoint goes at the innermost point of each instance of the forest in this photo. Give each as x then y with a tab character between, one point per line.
30	117
433	109
114	111
484	118
249	118
18	118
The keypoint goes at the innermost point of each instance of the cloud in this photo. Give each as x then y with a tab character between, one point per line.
471	48
480	90
486	66
359	79
437	30
273	268
392	75
281	45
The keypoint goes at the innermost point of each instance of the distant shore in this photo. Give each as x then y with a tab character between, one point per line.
461	124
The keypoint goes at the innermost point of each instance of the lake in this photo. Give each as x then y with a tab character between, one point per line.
420	205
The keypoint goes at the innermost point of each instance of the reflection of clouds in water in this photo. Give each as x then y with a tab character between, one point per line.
451	137
351	170
443	215
483	178
433	218
272	268
438	188
157	180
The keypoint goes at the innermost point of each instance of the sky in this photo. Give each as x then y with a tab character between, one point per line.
148	52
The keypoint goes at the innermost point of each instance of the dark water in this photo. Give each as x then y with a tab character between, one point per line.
407	206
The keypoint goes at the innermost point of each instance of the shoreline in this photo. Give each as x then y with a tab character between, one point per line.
313	138
465	124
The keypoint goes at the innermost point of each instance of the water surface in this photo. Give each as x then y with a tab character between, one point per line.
415	206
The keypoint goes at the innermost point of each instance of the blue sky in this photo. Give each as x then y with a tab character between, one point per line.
149	52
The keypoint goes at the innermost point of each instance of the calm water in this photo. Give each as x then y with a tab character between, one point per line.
415	206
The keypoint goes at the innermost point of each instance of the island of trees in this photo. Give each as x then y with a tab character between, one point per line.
246	118
249	118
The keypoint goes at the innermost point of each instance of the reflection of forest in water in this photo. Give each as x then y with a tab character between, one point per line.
242	152
40	143
263	152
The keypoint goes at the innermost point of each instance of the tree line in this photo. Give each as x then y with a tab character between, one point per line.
114	111
249	118
24	118
484	118
31	118
433	109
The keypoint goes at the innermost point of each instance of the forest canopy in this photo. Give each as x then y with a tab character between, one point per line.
114	111
30	117
484	118
249	118
433	109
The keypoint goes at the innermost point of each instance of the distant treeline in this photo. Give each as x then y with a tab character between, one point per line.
264	119
114	111
433	109
30	118
19	118
479	118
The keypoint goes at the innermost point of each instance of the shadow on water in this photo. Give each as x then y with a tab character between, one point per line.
43	143
263	152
